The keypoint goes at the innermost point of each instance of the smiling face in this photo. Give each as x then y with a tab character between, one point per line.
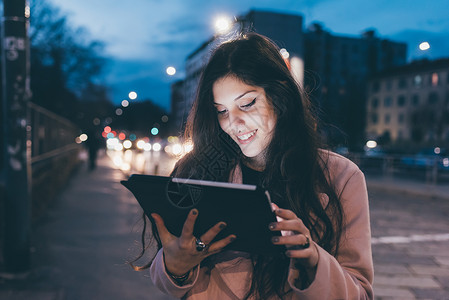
246	116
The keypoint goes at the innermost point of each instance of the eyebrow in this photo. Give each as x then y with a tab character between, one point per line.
238	97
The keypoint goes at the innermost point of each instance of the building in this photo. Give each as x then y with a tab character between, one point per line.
283	29
410	103
337	68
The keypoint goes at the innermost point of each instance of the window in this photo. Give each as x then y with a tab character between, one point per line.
401	118
402	84
415	100
374	118
388	85
387	119
433	98
376	86
374	103
434	79
417	81
387	102
401	101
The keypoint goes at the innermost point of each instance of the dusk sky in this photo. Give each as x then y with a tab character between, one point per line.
144	37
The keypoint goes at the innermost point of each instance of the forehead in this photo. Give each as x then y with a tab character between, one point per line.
231	88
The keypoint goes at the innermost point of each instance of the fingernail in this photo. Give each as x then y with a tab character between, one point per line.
275	239
279	211
222	225
232	239
288	253
194	212
272	226
152	215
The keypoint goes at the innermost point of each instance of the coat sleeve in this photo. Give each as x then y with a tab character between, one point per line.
350	274
163	281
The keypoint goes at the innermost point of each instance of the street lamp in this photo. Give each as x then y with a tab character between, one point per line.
171	71
223	24
424	46
132	95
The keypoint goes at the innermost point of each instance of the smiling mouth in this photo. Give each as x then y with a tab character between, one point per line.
247	136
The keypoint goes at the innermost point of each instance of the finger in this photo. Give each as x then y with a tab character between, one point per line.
293	225
285	213
189	224
274	207
219	245
300	240
212	233
164	234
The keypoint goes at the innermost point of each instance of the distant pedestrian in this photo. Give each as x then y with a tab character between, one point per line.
93	143
253	116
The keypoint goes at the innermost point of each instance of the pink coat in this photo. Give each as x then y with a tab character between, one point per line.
347	276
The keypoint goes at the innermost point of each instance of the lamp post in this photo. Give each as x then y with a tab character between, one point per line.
16	171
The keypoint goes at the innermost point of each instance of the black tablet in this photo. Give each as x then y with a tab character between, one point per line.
246	209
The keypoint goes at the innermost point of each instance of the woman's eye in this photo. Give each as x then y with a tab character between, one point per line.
221	112
249	104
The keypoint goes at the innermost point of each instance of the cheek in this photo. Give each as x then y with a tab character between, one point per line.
224	124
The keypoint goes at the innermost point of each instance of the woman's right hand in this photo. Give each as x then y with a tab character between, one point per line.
180	254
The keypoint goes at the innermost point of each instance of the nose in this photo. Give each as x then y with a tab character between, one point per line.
236	121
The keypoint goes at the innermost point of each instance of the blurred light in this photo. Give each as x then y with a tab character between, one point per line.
27	11
132	95
222	24
127	144
177	149
424	46
83	137
157	147
171	71
118	147
110	135
121	136
96	121
437	150
446	162
104	134
132	137
164	118
107	129
113	143
154	131
188	146
147	147
371	144
284	53
78	140
434	79
125	103
140	144
118	111
128	155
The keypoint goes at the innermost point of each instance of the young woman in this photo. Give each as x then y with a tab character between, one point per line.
251	123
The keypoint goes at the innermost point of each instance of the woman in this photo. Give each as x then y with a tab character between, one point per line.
251	124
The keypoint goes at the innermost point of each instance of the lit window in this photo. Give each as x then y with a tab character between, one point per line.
434	79
417	81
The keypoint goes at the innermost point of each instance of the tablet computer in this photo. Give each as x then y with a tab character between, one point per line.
246	209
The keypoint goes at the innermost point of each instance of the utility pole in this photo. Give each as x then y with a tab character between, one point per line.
16	170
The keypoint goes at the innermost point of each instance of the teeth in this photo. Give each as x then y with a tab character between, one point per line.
246	136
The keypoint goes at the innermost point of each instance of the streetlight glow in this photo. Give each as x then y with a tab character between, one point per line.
223	24
424	46
171	71
132	95
125	103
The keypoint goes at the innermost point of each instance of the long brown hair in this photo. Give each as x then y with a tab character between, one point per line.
295	171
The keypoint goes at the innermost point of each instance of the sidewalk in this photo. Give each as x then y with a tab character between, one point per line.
410	187
80	247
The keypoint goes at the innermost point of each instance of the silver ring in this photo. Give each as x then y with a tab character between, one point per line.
200	245
303	246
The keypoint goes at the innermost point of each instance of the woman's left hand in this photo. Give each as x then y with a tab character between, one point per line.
296	237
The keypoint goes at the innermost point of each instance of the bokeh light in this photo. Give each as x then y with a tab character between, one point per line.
171	71
424	46
132	95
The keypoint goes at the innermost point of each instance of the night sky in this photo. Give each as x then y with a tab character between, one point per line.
144	37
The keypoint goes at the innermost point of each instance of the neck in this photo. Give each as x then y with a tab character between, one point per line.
255	163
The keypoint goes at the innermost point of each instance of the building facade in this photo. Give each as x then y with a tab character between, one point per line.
337	69
410	103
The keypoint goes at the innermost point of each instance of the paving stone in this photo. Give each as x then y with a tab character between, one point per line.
401	258
406	281
381	292
434	294
442	261
444	281
427	270
390	269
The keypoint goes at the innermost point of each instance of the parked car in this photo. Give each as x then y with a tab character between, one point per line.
427	158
